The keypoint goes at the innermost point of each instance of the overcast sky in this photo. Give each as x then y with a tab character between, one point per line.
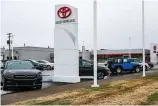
32	22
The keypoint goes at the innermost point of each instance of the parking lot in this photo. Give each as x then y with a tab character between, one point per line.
47	81
56	88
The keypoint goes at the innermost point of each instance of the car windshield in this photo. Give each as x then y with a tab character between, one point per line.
34	61
134	60
19	65
45	61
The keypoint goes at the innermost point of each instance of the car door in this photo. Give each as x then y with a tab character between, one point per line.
81	68
86	68
126	64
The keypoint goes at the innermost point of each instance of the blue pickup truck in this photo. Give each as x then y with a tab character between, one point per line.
121	65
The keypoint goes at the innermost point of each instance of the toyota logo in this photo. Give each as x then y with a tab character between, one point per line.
64	12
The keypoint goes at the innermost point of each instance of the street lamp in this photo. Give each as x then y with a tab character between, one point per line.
129	47
95	42
143	38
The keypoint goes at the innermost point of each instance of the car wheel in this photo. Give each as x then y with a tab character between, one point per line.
39	87
119	70
137	69
100	75
48	67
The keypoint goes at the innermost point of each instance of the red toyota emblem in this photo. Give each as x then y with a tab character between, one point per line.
154	47
64	12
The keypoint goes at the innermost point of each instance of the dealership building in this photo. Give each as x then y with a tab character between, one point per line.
29	52
104	54
41	53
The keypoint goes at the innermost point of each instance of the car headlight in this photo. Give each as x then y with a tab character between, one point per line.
39	75
9	75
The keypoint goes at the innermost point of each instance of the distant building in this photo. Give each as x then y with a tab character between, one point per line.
41	53
135	53
105	54
2	53
29	52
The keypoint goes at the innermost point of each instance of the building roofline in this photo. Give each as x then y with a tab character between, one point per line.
33	47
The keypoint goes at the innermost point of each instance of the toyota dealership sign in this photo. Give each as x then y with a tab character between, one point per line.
154	53
66	61
66	14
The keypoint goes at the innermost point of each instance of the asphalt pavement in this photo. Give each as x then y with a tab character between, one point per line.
20	96
47	80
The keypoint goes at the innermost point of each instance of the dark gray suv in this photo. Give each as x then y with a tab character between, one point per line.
20	73
86	69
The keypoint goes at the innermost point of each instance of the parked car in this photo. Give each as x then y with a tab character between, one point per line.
20	73
37	64
86	69
147	67
120	65
48	64
103	65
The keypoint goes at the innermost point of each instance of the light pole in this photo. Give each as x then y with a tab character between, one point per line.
143	39
83	50
129	47
95	42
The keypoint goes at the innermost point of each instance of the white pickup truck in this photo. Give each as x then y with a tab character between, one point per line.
103	64
147	67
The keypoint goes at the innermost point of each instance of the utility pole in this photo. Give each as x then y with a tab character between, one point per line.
12	47
9	42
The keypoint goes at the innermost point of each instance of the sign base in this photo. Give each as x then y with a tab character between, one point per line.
69	79
95	86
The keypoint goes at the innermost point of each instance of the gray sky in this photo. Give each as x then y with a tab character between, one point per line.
32	22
